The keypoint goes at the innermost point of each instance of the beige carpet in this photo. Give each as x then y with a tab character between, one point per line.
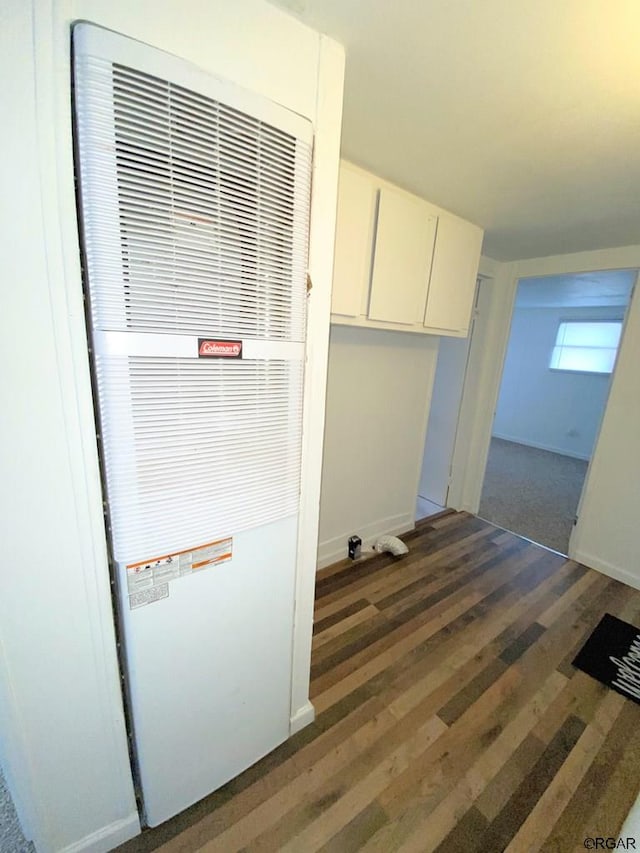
532	492
11	838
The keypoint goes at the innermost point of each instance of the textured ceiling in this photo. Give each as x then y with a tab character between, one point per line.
520	115
584	290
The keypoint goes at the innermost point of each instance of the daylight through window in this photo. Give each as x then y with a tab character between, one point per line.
586	347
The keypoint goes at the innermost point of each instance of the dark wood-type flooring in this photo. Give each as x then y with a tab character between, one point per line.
449	716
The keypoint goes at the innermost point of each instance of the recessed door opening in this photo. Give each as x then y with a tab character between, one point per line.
444	411
563	343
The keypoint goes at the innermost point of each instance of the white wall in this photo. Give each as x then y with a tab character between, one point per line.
378	391
607	536
62	738
551	409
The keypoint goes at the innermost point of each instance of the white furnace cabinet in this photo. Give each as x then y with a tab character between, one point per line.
194	200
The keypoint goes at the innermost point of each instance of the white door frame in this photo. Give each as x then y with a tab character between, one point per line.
484	376
432	427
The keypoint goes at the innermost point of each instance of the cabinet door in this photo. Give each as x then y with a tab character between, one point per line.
354	238
453	275
404	247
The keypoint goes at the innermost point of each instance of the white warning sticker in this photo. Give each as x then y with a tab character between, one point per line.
148	596
148	574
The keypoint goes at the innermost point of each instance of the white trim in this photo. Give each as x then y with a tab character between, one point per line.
89	40
540	446
621	258
335	549
488	268
303	717
631	825
481	388
107	837
415	329
622	575
324	197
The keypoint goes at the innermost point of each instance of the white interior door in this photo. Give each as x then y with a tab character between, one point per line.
453	354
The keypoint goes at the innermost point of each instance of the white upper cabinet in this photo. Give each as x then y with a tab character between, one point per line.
402	259
400	262
453	274
354	239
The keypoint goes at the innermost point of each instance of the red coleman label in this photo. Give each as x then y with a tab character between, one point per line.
219	349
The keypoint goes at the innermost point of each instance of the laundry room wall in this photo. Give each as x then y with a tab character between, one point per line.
378	393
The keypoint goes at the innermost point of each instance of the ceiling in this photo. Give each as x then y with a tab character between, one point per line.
522	116
583	290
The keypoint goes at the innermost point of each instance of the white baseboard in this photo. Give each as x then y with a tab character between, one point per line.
615	572
631	826
107	837
335	549
303	717
539	446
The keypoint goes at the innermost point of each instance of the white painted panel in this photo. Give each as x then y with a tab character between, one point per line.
453	274
404	246
354	240
210	670
443	419
378	392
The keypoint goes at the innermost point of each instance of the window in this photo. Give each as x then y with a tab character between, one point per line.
586	347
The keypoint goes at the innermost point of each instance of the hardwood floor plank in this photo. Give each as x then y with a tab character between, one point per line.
323	625
467	834
309	794
442	667
533	786
463	700
462	607
359	674
316	823
448	713
358	831
565	781
517	765
424	541
522	642
432	566
328	738
341	628
576	821
409	829
609	812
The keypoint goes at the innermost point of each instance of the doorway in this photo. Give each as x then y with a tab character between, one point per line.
444	411
563	342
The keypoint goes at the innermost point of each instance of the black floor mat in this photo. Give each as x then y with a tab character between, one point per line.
612	655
